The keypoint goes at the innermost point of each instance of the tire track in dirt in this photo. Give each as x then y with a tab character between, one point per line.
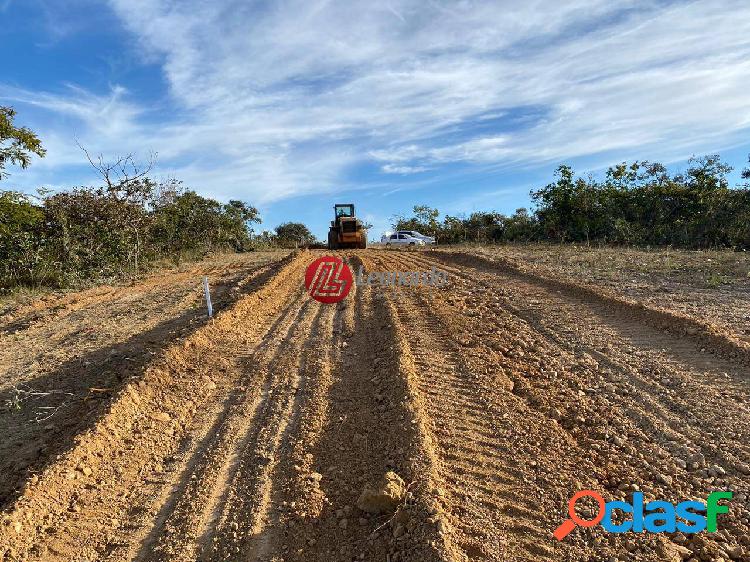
296	387
78	361
54	308
648	361
336	440
291	482
94	492
494	398
305	412
467	442
678	326
651	364
206	481
472	431
240	532
677	441
544	473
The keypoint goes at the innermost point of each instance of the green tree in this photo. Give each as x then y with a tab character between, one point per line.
291	233
236	224
707	173
21	251
189	224
427	218
482	226
424	220
520	227
16	143
555	204
453	230
92	235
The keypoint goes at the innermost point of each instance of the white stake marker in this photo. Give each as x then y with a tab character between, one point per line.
208	296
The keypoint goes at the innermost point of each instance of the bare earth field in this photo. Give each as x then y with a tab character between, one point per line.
64	355
714	285
134	429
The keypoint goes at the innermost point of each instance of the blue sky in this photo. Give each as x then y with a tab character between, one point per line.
295	105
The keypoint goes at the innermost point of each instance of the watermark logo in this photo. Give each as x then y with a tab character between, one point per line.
328	279
653	517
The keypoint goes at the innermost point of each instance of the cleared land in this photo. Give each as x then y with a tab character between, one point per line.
250	437
712	285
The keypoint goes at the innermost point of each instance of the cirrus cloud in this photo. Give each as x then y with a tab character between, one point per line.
273	99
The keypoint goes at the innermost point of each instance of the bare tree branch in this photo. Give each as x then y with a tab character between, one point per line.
120	174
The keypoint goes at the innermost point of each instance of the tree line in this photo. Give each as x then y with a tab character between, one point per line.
98	233
115	229
129	220
639	203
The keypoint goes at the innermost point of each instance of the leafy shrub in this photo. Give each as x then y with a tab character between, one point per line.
114	230
293	234
93	234
21	249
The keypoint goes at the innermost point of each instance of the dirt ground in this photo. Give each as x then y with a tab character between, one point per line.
714	285
62	355
161	436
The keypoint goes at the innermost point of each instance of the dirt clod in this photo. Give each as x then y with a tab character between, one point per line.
384	496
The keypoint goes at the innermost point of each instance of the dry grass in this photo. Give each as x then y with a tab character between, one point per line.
21	296
712	285
705	268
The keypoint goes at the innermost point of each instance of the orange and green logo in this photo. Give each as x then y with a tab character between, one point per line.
656	516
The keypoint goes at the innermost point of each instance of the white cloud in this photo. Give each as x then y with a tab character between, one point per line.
280	98
107	124
109	115
396	169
